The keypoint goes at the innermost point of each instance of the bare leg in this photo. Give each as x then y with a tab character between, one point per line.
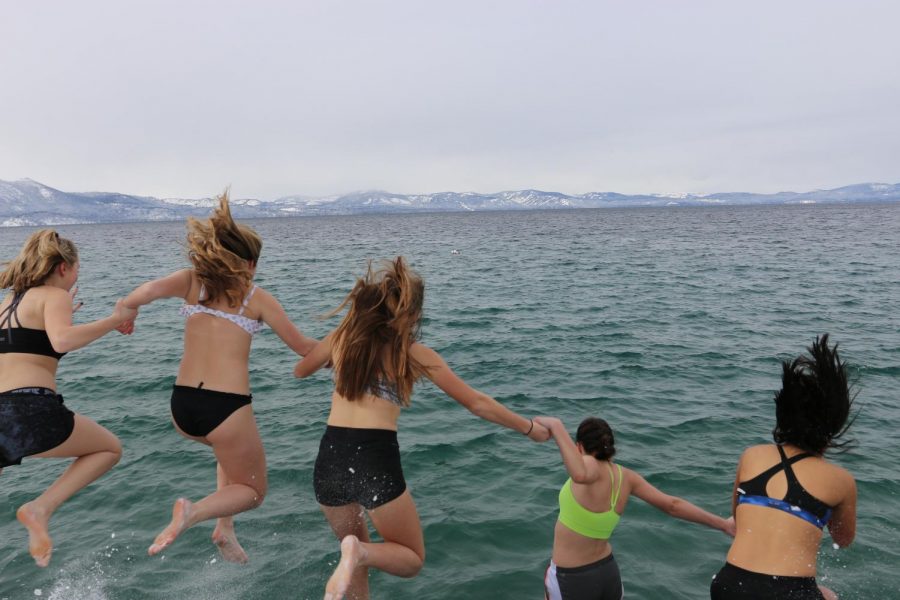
223	536
829	595
97	451
350	521
402	553
239	452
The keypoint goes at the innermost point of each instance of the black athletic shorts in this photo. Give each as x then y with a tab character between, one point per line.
595	581
32	420
735	583
359	466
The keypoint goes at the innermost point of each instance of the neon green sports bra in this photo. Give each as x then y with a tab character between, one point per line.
596	525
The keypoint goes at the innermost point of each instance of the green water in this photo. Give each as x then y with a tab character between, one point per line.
670	323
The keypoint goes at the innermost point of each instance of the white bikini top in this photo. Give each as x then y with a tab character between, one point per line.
249	325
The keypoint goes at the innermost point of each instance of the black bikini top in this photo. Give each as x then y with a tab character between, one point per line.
796	501
23	340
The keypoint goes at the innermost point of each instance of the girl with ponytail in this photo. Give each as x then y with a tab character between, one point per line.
36	331
591	503
211	401
377	358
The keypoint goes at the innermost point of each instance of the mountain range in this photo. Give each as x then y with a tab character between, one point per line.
28	202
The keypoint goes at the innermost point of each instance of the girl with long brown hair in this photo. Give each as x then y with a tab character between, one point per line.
377	359
211	401
36	331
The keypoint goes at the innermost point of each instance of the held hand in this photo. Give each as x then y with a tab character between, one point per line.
75	305
539	433
122	313
126	328
551	423
730	529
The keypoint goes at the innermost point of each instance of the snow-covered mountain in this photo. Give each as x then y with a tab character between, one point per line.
28	202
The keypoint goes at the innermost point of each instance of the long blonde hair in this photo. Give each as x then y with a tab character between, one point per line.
385	314
223	253
43	251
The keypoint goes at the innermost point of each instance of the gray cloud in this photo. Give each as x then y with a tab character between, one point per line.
181	98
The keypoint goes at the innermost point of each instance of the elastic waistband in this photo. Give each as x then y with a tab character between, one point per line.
753	575
359	434
193	392
32	391
587	567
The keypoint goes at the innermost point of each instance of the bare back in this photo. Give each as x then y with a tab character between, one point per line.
773	541
216	351
368	412
28	370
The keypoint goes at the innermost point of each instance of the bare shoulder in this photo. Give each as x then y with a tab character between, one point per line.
423	353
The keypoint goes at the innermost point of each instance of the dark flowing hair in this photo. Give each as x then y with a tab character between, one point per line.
812	408
223	253
42	252
372	343
596	437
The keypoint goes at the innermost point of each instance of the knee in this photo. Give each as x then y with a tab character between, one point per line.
259	495
416	564
115	450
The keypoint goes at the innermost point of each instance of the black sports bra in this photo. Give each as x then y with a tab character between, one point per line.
23	340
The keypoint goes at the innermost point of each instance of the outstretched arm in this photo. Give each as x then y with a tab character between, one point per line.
476	402
842	525
581	469
175	285
273	315
675	506
65	337
317	358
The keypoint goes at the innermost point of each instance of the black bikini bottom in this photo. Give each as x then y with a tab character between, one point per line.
198	412
32	420
735	583
359	466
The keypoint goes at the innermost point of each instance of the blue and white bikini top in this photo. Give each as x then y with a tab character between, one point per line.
797	501
249	325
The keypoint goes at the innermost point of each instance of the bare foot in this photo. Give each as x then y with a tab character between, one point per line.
35	521
352	552
229	548
181	514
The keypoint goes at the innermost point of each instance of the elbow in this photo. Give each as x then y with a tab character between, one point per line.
673	506
843	538
299	371
61	344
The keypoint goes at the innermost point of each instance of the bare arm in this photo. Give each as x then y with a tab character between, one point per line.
675	506
582	469
478	403
174	285
317	358
65	337
842	525
273	315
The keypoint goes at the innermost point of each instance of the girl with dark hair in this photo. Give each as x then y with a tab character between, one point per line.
36	331
786	493
377	359
591	502
211	398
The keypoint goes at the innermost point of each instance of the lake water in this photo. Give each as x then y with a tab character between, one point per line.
670	323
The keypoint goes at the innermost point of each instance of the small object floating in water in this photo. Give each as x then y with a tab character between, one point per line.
454	251
38	592
835	546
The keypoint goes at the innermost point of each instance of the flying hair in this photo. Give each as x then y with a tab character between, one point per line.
812	408
42	252
223	254
372	343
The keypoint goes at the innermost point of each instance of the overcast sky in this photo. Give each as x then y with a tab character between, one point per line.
180	98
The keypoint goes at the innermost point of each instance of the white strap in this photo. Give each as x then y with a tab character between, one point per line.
247	300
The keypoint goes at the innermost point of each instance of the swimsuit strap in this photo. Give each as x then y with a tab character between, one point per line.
12	310
202	295
614	489
247	300
786	465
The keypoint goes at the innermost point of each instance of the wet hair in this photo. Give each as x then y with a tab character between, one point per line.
596	437
223	253
812	408
43	251
371	345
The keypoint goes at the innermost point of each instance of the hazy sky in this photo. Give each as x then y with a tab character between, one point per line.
180	98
